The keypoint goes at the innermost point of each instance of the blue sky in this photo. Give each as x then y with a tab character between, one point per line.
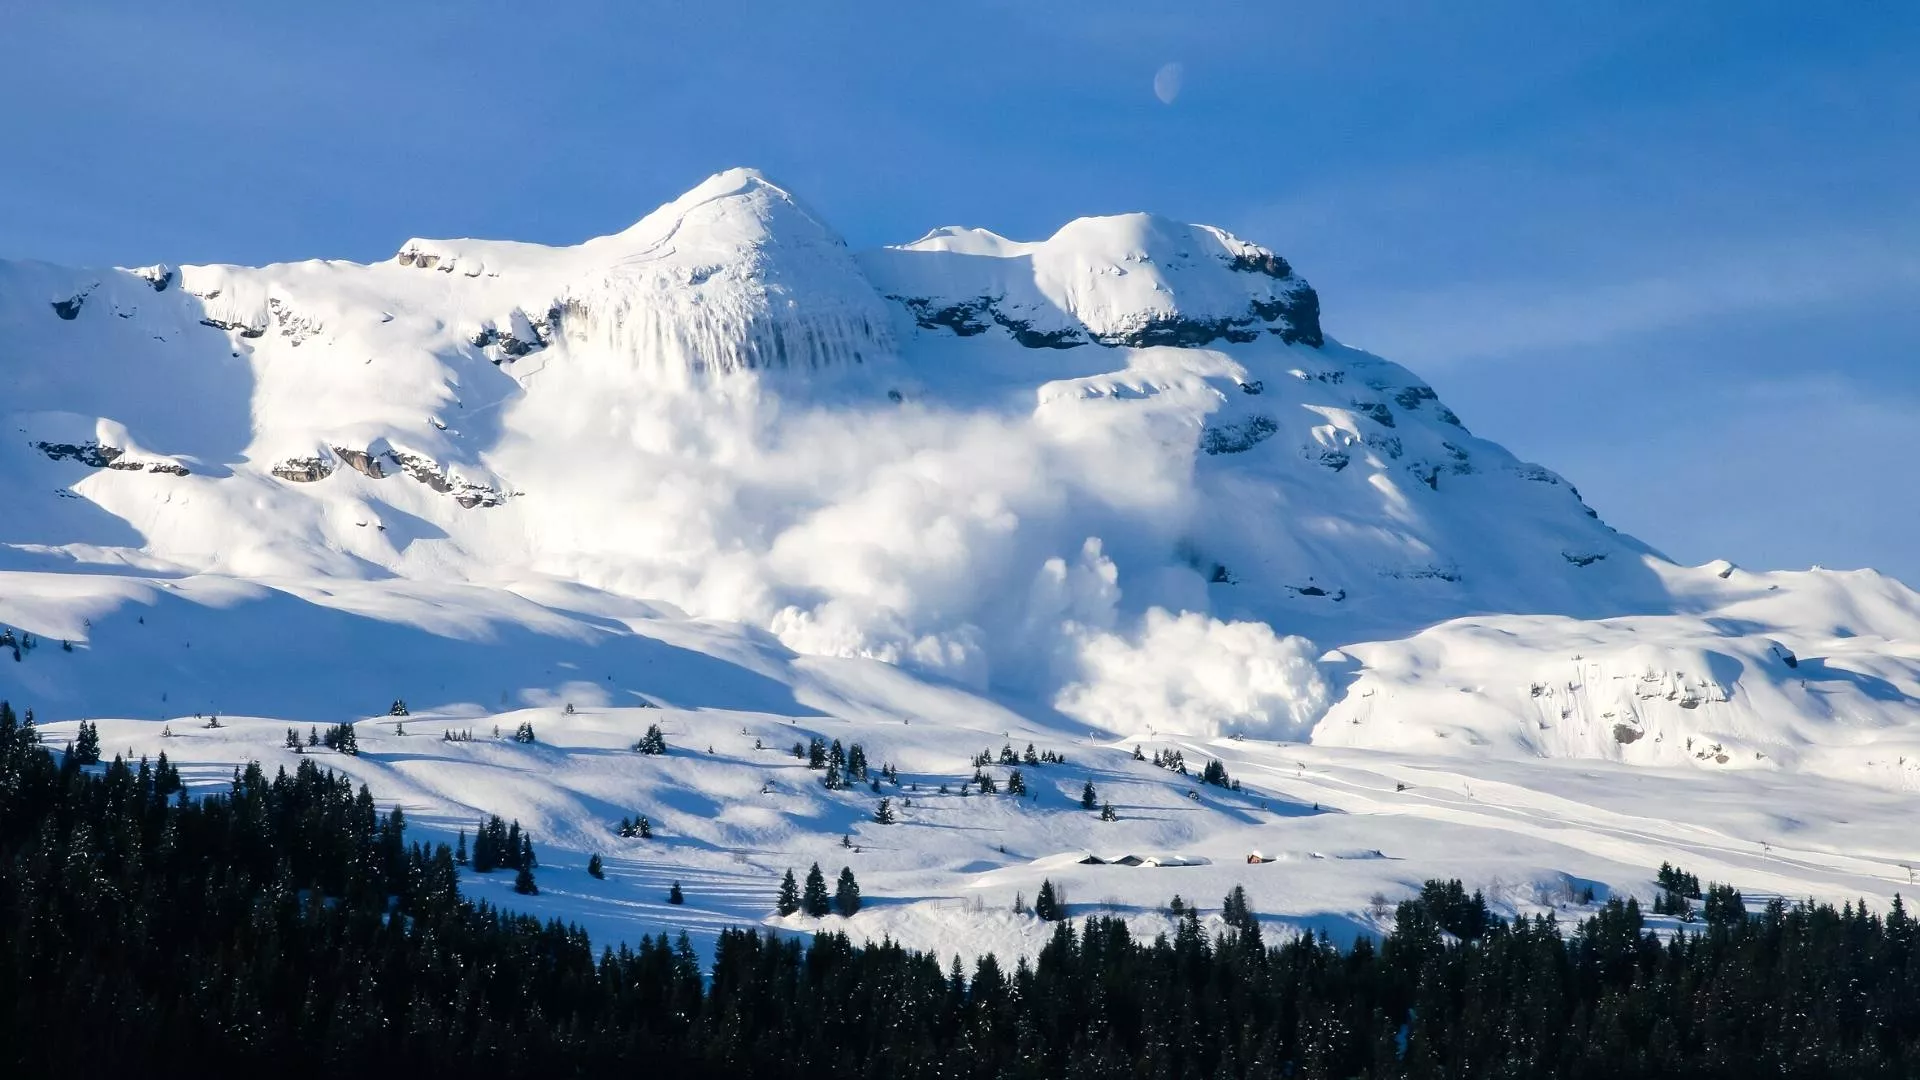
1671	250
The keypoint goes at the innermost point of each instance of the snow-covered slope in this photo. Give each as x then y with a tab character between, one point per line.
1113	485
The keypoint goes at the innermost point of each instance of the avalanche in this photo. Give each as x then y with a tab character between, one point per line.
1110	489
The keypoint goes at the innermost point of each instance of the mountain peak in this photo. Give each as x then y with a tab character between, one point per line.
1125	279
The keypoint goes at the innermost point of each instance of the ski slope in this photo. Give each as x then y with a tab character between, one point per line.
1114	487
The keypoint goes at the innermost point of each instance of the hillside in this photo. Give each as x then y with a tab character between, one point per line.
1113	488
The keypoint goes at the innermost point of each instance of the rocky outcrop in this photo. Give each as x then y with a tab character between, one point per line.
158	277
304	470
1292	318
362	462
243	329
90	453
69	309
1238	438
522	336
1376	411
95	455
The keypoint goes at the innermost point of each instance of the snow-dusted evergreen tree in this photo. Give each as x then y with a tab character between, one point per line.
788	901
1088	799
86	748
883	814
813	899
675	896
523	882
595	868
846	893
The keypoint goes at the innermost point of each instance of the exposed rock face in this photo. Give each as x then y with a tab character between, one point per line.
1238	438
422	469
90	454
95	455
522	336
1134	280
243	329
304	470
69	309
361	462
159	276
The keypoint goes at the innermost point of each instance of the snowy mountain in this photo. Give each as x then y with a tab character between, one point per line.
1116	487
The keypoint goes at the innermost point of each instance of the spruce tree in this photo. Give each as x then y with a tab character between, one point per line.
1016	783
1047	905
814	900
86	749
883	814
460	853
1088	799
1107	814
595	869
846	893
675	896
789	899
523	882
1239	914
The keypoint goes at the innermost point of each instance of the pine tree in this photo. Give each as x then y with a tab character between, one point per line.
643	827
814	899
883	814
460	853
1088	799
86	749
595	869
293	740
675	896
846	894
833	779
1107	814
1016	783
399	708
1239	915
1137	755
857	762
837	757
523	882
816	753
1046	904
653	743
313	736
1030	757
789	899
524	733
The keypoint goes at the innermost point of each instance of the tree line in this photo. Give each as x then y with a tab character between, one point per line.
286	923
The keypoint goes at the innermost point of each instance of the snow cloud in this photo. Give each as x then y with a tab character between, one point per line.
1197	675
1027	551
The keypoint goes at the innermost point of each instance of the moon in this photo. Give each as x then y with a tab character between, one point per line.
1166	82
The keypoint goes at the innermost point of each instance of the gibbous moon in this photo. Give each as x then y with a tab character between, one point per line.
1166	82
